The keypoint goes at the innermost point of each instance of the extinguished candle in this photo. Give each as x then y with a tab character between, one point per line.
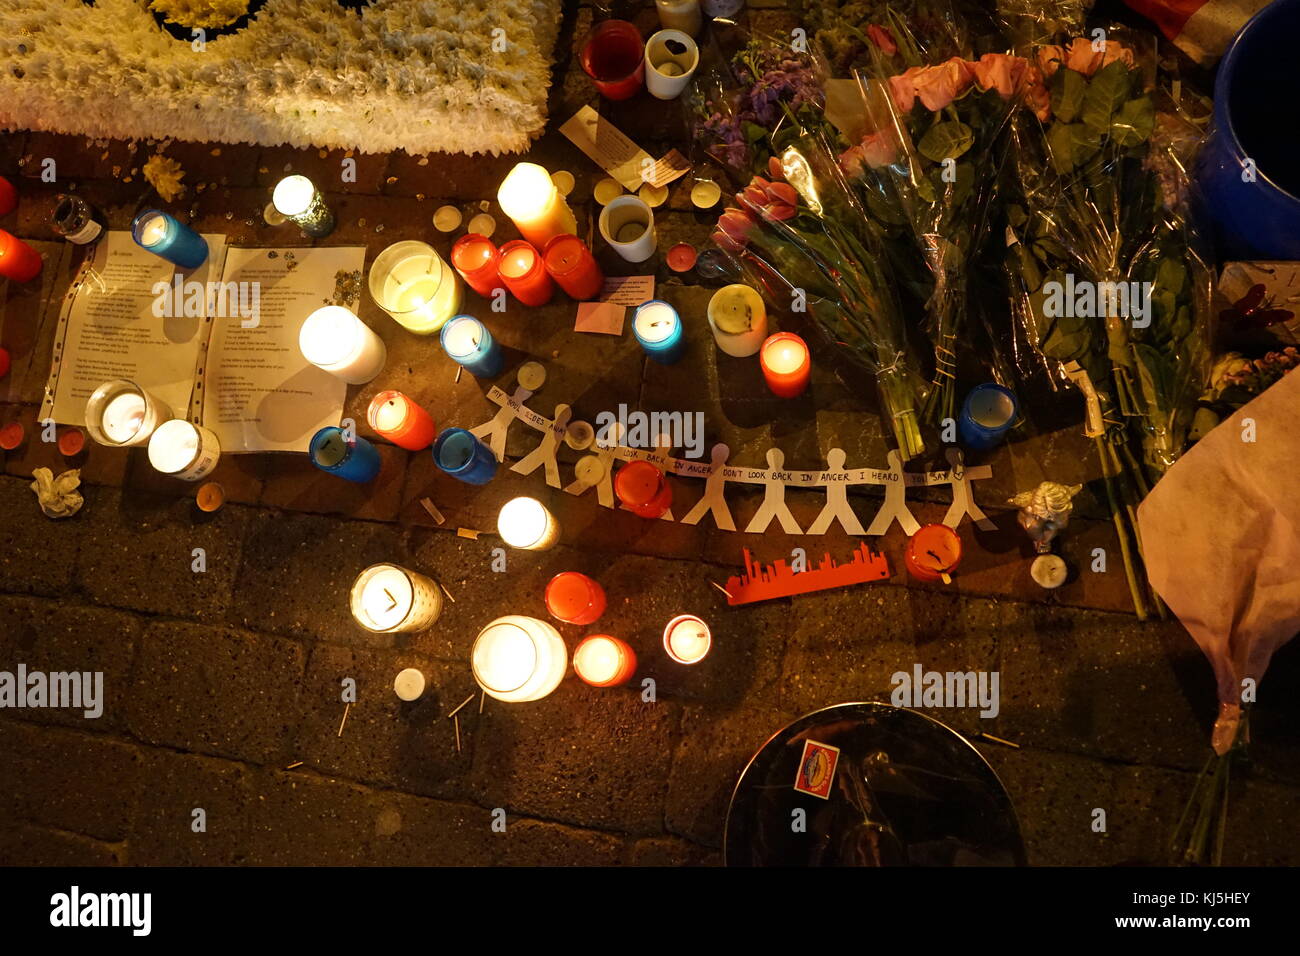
738	320
627	223
530	198
297	199
476	257
574	598
612	57
986	416
681	15
122	413
687	639
183	450
333	451
523	273
387	598
932	553
658	330
517	658
409	684
525	523
786	364
458	453
571	264
169	238
643	489
400	420
604	661
469	343
335	340
18	261
410	282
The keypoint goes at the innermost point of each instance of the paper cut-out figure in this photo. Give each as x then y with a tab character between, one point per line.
714	501
603	454
895	505
774	505
837	499
495	431
963	502
662	459
543	456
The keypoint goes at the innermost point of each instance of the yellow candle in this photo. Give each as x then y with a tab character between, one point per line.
529	197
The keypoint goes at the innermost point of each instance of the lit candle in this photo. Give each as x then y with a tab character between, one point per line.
612	57
408	685
687	639
628	225
464	457
604	661
530	198
658	330
475	258
517	658
987	414
183	450
526	524
122	413
8	197
932	553
642	489
170	239
522	271
297	199
786	364
356	460
387	599
738	319
18	261
469	343
671	57
571	264
335	340
681	15
574	598
410	282
398	419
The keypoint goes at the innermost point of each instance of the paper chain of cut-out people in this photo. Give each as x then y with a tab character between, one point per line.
596	471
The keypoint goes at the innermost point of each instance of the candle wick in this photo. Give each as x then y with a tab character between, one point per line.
935	556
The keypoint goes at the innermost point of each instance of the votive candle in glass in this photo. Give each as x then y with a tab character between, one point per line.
475	258
398	419
612	57
18	261
604	661
387	599
122	413
628	225
525	523
464	457
571	264
738	320
987	414
335	340
517	658
183	450
169	238
410	282
298	200
687	639
469	343
643	489
787	366
574	598
681	15
522	271
356	460
658	330
531	199
932	553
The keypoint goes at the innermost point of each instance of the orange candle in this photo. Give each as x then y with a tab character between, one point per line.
71	442
396	418
522	271
475	257
572	265
932	553
643	489
687	639
12	435
575	598
604	661
786	364
18	260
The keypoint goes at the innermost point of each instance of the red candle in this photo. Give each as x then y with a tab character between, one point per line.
614	58
572	265
522	271
932	553
71	442
786	364
18	260
643	489
395	417
12	435
575	598
604	661
475	258
8	197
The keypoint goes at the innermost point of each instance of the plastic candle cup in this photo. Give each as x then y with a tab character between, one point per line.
987	414
72	442
475	258
8	197
297	199
335	340
932	553
574	598
355	460
523	273
469	343
464	457
643	489
517	658
530	198
410	282
613	58
210	497
397	418
571	264
12	435
604	661
681	15
658	330
738	320
18	261
169	238
687	639
671	57
786	364
183	450
525	523
628	225
122	413
387	599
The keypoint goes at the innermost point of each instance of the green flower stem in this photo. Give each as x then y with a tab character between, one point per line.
1121	530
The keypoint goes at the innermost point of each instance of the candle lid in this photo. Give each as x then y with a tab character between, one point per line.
11	436
568	595
637	482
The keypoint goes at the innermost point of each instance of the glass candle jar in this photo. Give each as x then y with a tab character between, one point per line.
410	282
517	658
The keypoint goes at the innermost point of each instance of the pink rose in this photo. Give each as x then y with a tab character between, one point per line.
876	150
902	89
1001	72
883	40
1037	98
1082	58
1050	59
937	86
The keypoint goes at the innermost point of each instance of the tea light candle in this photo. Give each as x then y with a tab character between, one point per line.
12	435
122	413
72	442
297	199
530	198
464	457
628	225
571	264
574	598
18	261
469	343
210	497
183	450
1049	571
786	364
521	269
687	639
517	658
643	489
525	523
410	282
987	414
604	661
400	420
169	238
356	460
658	330
409	684
681	15
476	258
932	553
738	320
388	599
335	340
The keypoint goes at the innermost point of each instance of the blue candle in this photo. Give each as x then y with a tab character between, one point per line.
464	457
658	330
355	460
168	237
468	342
986	415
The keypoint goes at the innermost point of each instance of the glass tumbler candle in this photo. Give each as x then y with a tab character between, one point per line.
522	271
387	599
787	366
658	330
169	238
298	200
604	661
18	261
517	658
397	418
183	450
574	598
987	415
687	639
470	344
121	413
410	281
356	460
643	489
476	257
525	523
573	267
613	58
464	457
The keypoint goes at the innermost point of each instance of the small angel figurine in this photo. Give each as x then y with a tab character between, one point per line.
1045	511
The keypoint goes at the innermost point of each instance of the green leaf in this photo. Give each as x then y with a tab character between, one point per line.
1087	142
1107	89
946	140
753	132
1060	146
1134	123
1171	276
1155	376
1068	88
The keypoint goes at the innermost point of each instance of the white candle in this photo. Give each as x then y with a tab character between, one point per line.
463	336
738	320
526	524
656	321
386	599
408	685
517	658
529	196
785	356
671	57
687	639
681	15
293	195
183	450
627	224
412	283
153	231
121	413
335	340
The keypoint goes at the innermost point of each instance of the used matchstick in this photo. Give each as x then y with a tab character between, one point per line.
462	704
346	708
722	589
456	721
446	592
